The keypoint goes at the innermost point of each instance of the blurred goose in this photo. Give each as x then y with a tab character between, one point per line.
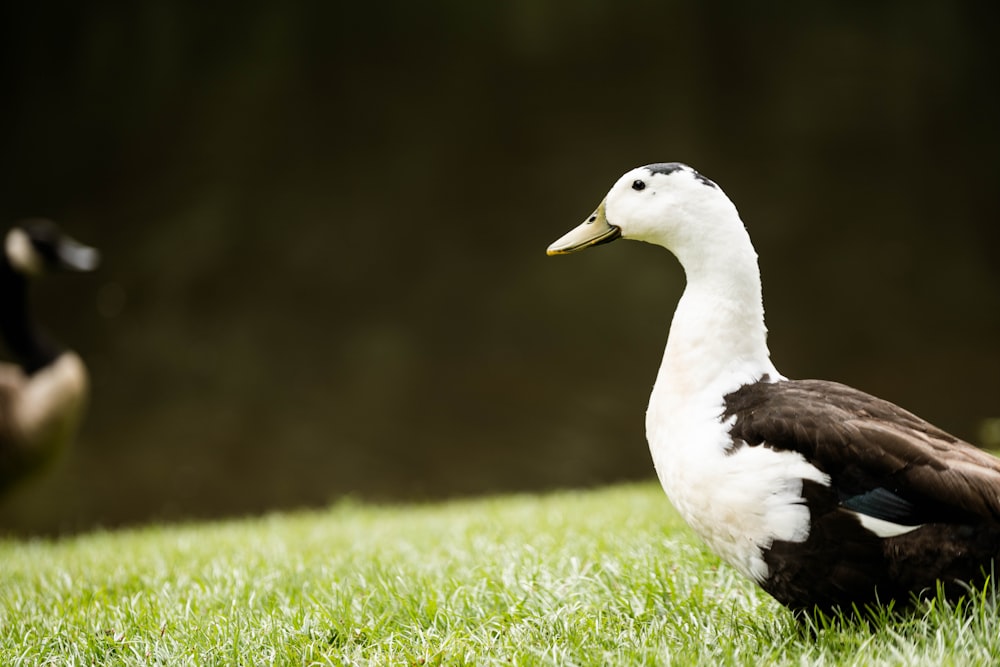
823	495
42	396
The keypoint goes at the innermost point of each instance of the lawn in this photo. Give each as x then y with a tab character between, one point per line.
605	577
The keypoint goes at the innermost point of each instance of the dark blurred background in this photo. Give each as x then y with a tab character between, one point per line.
324	230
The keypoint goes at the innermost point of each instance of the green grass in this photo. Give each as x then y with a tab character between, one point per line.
608	577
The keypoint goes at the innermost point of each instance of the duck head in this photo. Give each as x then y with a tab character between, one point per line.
669	204
38	245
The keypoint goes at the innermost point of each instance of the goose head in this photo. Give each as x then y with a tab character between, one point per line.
36	246
668	204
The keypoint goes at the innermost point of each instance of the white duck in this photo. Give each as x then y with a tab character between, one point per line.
825	496
43	394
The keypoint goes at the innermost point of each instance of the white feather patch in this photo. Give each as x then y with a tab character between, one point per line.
22	254
881	527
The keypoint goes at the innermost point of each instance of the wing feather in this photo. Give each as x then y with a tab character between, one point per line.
865	443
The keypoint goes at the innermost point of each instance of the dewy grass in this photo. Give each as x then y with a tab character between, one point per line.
607	577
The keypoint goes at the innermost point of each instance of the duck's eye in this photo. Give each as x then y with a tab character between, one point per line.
638	185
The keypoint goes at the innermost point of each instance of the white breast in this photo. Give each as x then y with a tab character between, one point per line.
738	502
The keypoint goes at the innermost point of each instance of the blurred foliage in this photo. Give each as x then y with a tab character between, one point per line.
324	229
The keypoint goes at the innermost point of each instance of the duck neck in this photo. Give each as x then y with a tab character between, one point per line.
29	345
717	340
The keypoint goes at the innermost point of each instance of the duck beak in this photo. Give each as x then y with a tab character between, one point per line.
595	230
75	256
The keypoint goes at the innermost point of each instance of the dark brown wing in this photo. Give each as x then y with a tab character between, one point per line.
882	460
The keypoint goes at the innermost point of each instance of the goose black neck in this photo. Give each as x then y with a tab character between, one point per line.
28	344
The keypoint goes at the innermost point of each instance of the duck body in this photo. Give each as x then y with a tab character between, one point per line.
43	394
907	505
825	496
